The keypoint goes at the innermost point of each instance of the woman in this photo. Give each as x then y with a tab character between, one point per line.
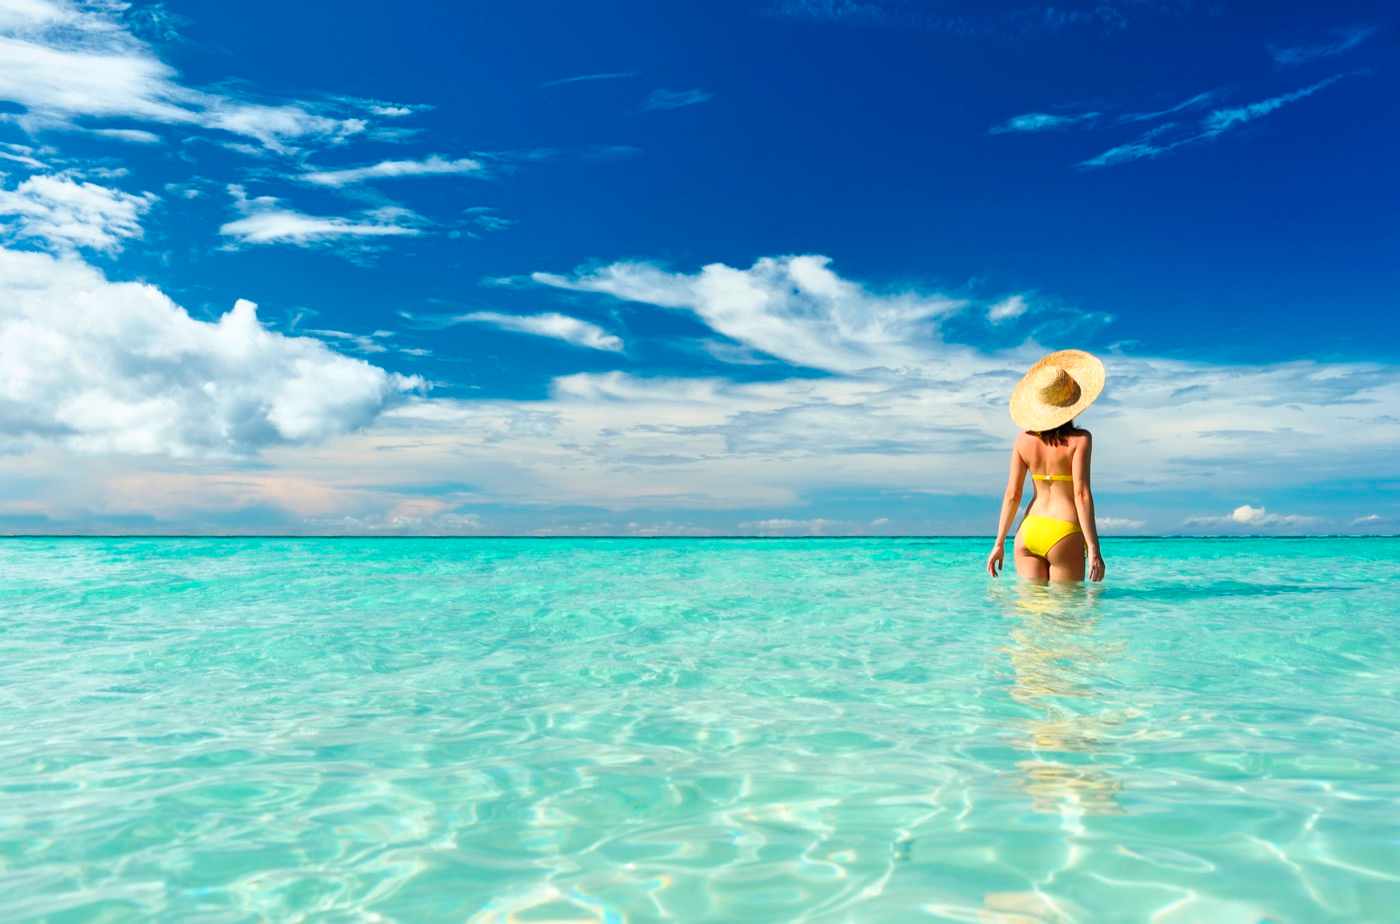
1059	527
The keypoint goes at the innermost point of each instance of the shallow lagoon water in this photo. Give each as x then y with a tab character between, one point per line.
696	730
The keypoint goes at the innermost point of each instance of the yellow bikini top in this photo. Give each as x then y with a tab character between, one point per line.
1053	477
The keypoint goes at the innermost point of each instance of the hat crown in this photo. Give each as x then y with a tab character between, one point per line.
1055	386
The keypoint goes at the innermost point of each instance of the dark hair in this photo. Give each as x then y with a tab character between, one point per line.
1058	436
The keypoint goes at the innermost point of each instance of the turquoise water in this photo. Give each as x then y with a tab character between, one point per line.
696	730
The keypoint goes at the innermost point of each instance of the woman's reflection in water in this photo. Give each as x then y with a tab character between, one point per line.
1059	666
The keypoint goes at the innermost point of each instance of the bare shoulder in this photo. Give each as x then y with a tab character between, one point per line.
1082	437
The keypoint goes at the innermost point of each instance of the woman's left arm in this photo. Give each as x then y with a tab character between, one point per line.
1010	503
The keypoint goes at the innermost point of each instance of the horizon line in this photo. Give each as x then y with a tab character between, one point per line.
726	536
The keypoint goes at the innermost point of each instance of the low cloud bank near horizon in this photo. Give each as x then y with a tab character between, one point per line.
896	409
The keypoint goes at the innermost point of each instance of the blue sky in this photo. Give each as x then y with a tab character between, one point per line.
636	268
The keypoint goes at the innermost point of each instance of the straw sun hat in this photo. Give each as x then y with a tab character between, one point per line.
1055	389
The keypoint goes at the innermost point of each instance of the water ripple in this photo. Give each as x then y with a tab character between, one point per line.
629	731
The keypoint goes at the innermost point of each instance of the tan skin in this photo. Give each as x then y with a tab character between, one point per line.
1072	501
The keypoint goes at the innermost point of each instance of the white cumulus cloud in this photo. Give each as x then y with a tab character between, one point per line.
103	366
1247	515
557	326
63	213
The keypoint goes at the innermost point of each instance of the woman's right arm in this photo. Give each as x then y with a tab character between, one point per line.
1010	503
1084	505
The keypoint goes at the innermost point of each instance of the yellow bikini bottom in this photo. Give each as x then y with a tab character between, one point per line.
1039	534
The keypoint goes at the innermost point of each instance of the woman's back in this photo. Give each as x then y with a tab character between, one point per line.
1052	455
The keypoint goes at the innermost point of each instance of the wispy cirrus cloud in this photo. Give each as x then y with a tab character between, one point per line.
129	135
610	152
356	343
280	128
1171	136
21	154
388	110
432	165
64	213
1198	101
589	78
266	221
378	341
1042	122
63	62
1343	40
1025	21
552	325
284	226
793	307
1033	122
1222	120
870	12
675	99
1007	309
484	218
1119	524
1150	144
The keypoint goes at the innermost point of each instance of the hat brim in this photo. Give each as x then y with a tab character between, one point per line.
1031	413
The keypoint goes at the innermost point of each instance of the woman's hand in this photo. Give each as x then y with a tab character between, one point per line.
1095	566
994	560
